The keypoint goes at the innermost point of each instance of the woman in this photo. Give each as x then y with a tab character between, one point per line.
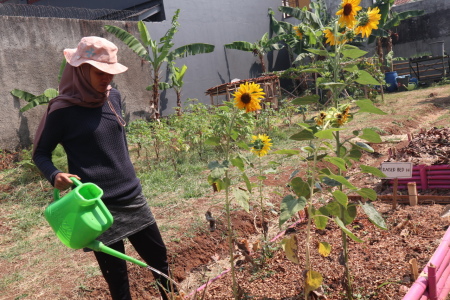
86	120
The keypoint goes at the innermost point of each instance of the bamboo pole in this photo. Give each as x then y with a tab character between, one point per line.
414	268
394	194
412	192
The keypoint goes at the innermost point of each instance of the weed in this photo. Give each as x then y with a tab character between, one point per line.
378	130
399	124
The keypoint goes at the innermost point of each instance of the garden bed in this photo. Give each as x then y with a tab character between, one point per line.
379	265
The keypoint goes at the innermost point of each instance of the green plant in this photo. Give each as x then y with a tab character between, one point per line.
158	52
176	76
195	126
232	120
139	134
41	99
389	20
378	130
338	70
260	48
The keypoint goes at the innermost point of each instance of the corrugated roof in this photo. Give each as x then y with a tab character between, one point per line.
223	87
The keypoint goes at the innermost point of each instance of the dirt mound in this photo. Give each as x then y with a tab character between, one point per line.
429	147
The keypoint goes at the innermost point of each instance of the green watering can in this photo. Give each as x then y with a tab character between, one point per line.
80	217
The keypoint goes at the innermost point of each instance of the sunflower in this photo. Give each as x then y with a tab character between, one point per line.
320	119
368	22
261	144
248	96
347	13
343	117
331	38
298	32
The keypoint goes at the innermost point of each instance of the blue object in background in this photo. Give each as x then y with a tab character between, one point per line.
391	81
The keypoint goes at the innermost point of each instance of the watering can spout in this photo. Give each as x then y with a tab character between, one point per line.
100	247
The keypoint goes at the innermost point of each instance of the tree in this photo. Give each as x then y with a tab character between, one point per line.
389	20
156	53
260	48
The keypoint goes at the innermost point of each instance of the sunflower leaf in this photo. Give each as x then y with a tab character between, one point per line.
353	52
346	230
371	136
324	249
313	281
306	100
290	247
303	135
238	162
289	206
364	77
341	197
367	106
373	171
242	197
247	182
374	216
287	152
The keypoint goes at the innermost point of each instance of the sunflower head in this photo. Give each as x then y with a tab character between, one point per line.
261	144
332	39
347	13
368	21
248	96
343	116
298	32
320	119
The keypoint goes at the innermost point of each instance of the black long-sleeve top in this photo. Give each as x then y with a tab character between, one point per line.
97	151
96	148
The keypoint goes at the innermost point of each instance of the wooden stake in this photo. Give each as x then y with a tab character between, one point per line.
394	194
414	269
412	192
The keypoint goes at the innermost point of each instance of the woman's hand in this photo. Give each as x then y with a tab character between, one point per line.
63	182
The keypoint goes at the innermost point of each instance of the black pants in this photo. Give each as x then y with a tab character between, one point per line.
150	246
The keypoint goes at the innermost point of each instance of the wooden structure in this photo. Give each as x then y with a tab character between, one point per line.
425	69
270	84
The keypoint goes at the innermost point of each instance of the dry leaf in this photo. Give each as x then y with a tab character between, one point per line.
324	249
290	247
256	246
313	281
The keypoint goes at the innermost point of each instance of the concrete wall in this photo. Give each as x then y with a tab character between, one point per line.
31	52
30	56
416	34
217	23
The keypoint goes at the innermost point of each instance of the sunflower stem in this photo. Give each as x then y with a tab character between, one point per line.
230	239
228	207
261	202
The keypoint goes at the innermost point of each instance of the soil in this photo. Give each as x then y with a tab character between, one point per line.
380	266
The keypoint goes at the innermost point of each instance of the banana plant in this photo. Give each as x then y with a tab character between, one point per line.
389	20
157	53
260	48
42	99
176	76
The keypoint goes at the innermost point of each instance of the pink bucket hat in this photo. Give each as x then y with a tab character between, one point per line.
96	51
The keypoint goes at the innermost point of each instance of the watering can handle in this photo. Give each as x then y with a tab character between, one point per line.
56	194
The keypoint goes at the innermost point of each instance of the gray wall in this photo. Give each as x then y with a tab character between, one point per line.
30	56
217	23
31	52
415	35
